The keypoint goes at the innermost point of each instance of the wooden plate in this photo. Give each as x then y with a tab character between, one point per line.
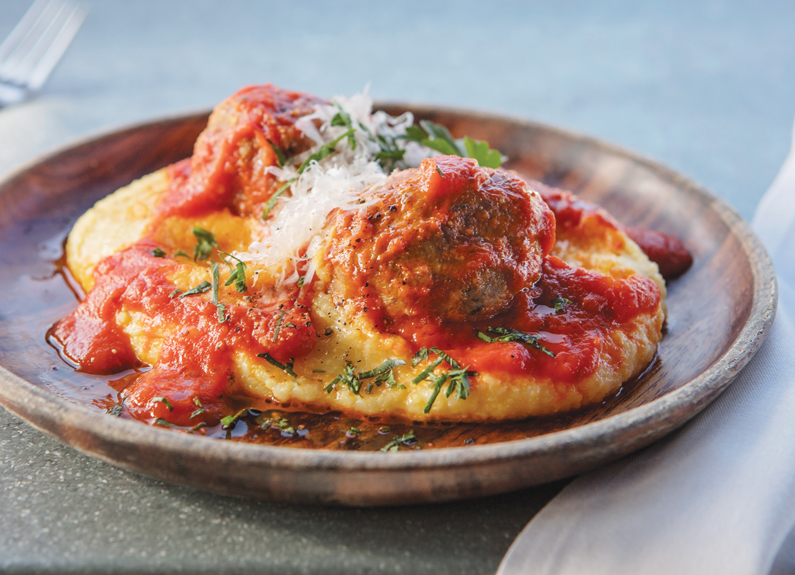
719	313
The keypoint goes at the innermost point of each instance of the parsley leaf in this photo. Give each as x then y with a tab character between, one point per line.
437	137
205	242
505	334
481	152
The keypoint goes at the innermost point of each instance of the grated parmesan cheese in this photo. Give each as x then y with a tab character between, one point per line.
336	181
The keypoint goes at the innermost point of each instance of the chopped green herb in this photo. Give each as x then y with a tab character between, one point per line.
388	365
354	431
301	281
201	288
180	253
165	402
158	253
116	408
318	371
198	426
221	307
342	118
175	293
288	369
281	159
505	334
438	171
198	403
205	242
164	423
283	423
560	302
352	380
271	203
278	326
347	378
324	151
421	355
425	373
458	377
408	439
438	382
229	420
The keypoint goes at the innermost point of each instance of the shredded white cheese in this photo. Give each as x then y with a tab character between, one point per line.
335	181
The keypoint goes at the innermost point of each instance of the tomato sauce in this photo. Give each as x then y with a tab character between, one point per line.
571	310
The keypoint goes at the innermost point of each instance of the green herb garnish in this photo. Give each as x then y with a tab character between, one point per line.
352	380
437	137
237	273
458	377
205	242
165	402
180	253
221	307
281	159
407	439
325	150
560	302
115	409
271	203
505	334
278	326
201	288
164	423
288	368
158	253
342	118
197	402
229	420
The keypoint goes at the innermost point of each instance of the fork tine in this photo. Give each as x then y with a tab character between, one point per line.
21	29
56	46
17	65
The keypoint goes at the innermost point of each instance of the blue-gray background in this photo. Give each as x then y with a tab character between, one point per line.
705	87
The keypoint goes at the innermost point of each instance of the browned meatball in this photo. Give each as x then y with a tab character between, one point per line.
449	240
231	154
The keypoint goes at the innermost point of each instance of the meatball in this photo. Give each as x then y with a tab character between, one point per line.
449	240
230	157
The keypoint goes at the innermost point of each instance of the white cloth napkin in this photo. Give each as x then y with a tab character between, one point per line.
718	496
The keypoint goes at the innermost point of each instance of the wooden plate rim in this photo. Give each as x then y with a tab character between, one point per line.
673	409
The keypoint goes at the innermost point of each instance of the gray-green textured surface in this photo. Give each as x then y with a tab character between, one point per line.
707	88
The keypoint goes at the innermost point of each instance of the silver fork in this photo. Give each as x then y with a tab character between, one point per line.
34	47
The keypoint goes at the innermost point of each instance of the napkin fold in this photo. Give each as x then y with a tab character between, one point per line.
718	496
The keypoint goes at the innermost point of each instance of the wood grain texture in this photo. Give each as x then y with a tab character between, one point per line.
719	313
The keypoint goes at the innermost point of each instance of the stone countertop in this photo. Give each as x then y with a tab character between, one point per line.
707	89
